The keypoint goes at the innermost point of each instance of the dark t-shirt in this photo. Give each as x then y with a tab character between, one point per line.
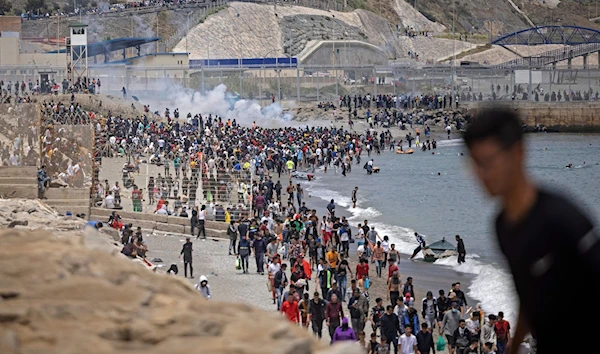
342	269
552	253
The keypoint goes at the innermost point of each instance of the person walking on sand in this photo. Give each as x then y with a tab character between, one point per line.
186	251
290	309
544	236
449	325
244	250
344	333
460	248
201	221
203	287
422	245
334	312
354	191
359	310
316	314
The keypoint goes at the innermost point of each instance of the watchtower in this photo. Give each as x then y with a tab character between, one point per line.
77	52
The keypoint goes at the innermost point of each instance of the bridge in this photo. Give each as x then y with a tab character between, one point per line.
577	42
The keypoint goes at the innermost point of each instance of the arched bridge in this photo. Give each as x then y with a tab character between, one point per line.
577	41
566	35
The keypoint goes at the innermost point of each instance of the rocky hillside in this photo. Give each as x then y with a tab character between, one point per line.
73	292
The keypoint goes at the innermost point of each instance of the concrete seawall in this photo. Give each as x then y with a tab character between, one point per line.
575	117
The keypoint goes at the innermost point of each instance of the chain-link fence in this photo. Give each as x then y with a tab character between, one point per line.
67	152
328	83
19	139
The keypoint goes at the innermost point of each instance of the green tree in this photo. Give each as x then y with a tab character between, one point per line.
5	7
35	5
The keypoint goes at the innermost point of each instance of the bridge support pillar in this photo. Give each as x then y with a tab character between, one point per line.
598	53
585	61
569	63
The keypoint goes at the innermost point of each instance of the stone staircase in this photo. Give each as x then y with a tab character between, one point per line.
171	224
18	182
21	182
74	200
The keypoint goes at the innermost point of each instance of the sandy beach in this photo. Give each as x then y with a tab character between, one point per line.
230	285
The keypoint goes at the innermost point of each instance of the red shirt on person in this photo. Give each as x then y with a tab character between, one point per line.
291	310
502	329
362	268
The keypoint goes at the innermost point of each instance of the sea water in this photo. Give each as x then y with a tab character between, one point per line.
438	196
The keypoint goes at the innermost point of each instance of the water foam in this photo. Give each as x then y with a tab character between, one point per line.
492	286
488	277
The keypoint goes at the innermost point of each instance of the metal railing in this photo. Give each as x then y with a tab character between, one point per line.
552	56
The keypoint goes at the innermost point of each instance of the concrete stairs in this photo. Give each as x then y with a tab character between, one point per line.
172	224
18	182
66	199
21	182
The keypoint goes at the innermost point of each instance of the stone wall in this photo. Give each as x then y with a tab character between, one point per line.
299	29
556	116
347	53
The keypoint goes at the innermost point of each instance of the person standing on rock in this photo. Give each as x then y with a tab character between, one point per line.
186	251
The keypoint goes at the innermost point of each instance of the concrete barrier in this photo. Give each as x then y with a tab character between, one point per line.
180	229
74	210
18	171
67	193
172	220
25	191
68	202
32	181
573	116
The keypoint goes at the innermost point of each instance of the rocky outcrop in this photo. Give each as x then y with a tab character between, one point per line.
60	295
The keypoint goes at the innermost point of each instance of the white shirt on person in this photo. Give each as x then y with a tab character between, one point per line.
109	202
407	344
273	268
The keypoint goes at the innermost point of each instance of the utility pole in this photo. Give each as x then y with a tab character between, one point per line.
157	13
453	52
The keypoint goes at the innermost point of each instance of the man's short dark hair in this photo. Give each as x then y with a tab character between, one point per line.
499	123
424	325
501	314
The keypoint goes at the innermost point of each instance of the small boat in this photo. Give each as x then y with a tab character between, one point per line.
439	249
409	151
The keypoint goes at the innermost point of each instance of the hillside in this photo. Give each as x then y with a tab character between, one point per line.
256	31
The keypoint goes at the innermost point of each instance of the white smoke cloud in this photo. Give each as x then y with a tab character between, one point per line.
218	102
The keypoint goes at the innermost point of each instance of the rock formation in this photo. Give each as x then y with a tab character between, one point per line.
68	293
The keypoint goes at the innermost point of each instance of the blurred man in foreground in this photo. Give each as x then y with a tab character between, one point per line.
546	239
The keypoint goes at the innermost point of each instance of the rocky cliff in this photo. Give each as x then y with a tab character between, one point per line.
68	293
